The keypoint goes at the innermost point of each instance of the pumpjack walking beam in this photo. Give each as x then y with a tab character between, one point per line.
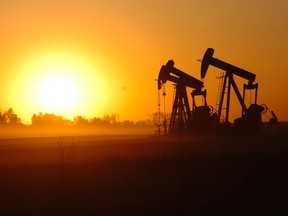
169	73
208	59
230	70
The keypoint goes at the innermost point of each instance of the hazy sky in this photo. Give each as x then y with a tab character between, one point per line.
122	44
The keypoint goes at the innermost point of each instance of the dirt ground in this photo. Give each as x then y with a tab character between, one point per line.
141	175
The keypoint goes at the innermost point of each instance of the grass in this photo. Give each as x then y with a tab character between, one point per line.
144	176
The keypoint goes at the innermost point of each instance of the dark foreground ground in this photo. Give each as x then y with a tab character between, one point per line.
216	175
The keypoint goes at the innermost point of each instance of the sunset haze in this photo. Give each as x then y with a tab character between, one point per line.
112	52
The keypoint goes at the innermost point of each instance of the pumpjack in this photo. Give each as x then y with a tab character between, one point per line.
205	118
182	118
251	119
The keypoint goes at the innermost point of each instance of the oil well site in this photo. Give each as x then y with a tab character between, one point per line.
198	161
188	117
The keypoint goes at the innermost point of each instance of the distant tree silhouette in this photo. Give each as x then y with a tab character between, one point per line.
9	117
34	119
107	121
80	121
96	121
49	119
158	118
110	119
127	123
2	118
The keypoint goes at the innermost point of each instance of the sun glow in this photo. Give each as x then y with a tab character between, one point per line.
61	84
59	93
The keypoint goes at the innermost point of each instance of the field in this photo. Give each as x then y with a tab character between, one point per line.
141	175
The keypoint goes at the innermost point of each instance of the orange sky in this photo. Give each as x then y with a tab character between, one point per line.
119	47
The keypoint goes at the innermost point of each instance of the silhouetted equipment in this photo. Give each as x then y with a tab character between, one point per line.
169	72
182	118
204	117
251	117
208	59
269	113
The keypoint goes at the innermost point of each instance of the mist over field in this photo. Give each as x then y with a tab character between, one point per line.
27	131
49	124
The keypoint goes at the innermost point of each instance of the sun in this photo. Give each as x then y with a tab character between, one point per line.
59	93
62	84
